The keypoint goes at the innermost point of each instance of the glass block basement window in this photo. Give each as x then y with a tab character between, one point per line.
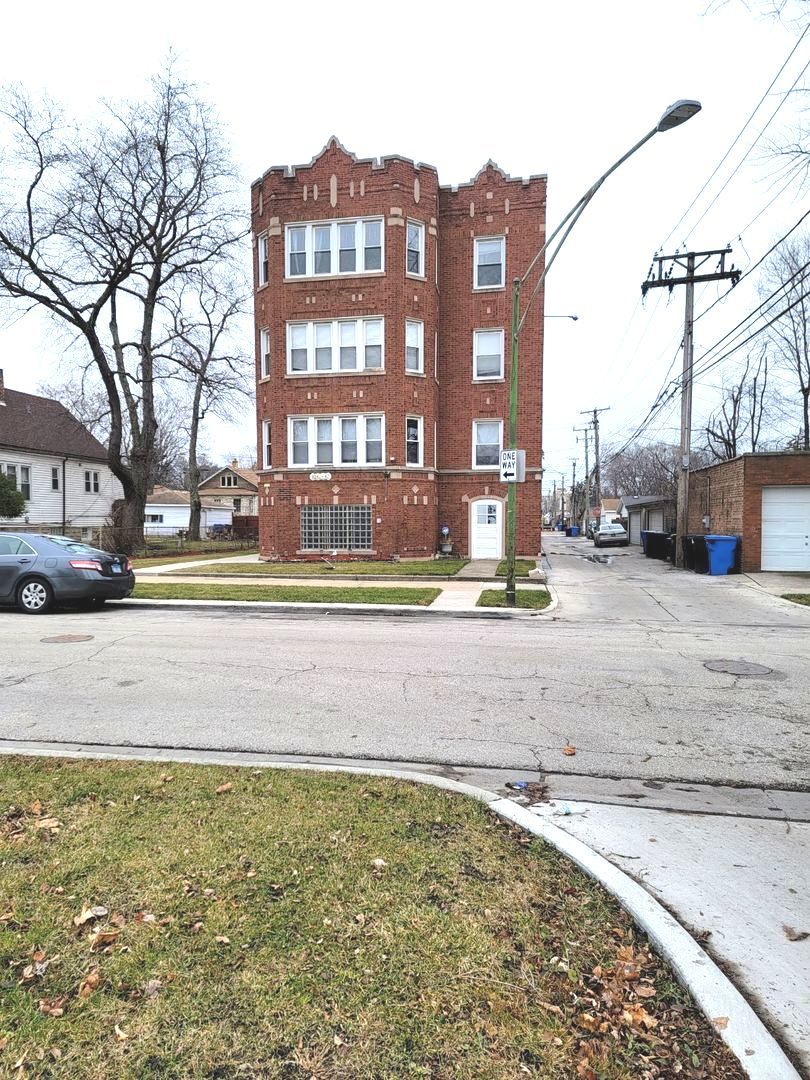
335	528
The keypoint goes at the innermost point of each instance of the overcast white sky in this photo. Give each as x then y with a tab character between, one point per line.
563	88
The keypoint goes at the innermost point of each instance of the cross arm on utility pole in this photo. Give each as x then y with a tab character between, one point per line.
690	263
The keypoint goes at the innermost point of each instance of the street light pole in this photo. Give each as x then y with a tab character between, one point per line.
675	115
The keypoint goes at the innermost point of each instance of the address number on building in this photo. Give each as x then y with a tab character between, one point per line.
513	466
320	476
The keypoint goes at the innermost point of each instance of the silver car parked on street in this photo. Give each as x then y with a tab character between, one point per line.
610	534
39	571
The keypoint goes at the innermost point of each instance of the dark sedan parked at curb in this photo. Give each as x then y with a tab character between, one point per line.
39	571
610	534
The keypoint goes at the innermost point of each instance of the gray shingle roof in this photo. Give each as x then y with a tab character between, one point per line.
29	422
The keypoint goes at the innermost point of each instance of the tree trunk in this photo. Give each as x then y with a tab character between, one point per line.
806	416
193	466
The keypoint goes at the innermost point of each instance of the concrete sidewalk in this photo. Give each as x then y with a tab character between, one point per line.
741	885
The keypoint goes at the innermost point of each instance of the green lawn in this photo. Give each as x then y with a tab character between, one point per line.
285	926
525	598
522	567
798	598
139	562
297	594
412	568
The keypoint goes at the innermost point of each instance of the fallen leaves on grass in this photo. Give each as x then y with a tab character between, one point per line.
50	824
121	1035
145	917
36	807
54	1007
221	939
152	988
90	982
88	913
38	966
223	788
103	939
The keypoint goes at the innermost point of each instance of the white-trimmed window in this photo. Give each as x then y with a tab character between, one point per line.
487	354
56	478
414	440
355	440
487	444
91	482
267	443
489	259
414	346
263	259
21	475
322	348
153	519
415	251
228	480
329	248
264	352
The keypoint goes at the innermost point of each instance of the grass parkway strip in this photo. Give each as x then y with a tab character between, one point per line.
536	598
288	594
201	921
410	569
798	598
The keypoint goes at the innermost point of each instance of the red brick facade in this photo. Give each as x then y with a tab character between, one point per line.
730	495
409	503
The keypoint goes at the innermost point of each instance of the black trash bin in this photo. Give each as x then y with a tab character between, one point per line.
695	553
657	545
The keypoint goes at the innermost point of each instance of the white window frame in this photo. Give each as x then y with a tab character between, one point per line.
488	330
420	225
92	483
154	519
264	352
267	444
263	259
360	344
420	422
482	240
420	370
56	478
486	420
336	431
334	262
228	480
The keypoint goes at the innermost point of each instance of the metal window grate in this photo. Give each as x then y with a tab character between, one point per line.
335	528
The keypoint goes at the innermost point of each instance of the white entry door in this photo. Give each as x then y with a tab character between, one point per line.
786	528
487	529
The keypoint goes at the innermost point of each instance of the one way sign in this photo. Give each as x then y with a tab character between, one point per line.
513	466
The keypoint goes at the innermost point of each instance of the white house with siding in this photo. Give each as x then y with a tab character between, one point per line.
168	512
59	467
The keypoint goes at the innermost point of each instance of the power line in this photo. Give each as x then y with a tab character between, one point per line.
737	138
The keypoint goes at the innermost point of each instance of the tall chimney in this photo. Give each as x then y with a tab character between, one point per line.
234	463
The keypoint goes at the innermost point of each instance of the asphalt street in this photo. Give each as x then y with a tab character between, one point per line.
618	672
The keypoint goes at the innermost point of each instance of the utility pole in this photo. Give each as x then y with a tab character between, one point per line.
586	432
573	491
597	472
661	279
562	499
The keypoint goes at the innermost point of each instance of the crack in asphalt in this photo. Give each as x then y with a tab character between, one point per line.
21	679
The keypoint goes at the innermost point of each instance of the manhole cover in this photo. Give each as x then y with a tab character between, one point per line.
737	667
63	639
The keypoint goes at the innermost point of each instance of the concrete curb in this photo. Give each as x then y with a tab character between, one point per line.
723	1005
391	610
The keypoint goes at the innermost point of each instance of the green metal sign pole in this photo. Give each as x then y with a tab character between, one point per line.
511	504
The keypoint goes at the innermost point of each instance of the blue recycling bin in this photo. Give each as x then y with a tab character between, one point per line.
722	550
644	534
574	530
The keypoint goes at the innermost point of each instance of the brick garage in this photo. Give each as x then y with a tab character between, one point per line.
406	503
730	494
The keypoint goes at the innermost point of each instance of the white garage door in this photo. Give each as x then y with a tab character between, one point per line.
655	521
786	528
487	529
635	527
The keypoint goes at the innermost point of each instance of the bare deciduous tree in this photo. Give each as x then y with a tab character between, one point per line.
790	333
736	426
97	225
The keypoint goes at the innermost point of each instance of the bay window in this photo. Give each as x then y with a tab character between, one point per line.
326	248
339	345
413	440
415	253
353	440
414	346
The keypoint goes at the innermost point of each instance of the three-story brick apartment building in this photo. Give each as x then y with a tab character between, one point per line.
382	309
